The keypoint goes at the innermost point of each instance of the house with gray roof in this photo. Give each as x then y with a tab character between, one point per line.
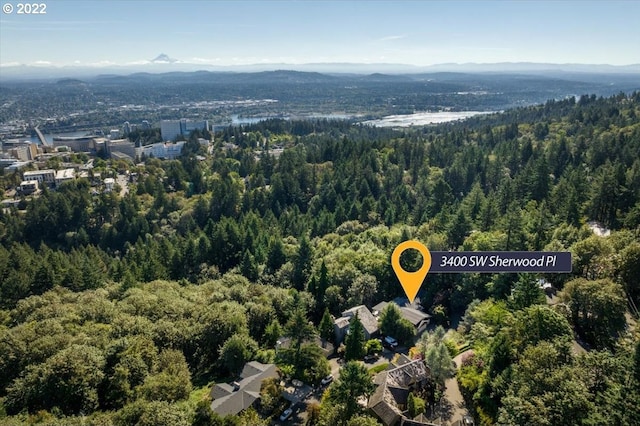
389	401
369	323
410	312
242	394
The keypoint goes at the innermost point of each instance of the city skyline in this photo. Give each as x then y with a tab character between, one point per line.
222	33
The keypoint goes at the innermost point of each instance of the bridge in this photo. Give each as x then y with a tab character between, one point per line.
43	140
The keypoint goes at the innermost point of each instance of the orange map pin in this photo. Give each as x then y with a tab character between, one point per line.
411	281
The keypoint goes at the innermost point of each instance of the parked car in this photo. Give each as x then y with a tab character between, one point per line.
389	342
371	358
327	380
286	414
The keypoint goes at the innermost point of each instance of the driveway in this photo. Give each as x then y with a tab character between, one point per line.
453	396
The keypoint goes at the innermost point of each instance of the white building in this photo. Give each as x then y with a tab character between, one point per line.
65	175
166	150
108	184
28	186
47	176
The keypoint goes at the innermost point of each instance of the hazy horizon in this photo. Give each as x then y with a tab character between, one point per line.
226	34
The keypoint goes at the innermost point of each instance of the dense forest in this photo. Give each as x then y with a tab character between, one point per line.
121	310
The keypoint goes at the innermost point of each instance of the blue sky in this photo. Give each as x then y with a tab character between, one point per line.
244	32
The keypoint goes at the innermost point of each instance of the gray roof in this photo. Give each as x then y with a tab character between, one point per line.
227	401
380	307
393	389
342	322
369	322
385	410
413	315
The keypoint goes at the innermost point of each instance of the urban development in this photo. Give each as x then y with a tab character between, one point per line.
212	259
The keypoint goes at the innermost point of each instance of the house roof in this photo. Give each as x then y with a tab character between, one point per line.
420	420
226	400
380	306
393	389
342	322
408	374
385	410
369	322
413	315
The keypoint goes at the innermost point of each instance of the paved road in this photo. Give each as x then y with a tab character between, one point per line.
454	397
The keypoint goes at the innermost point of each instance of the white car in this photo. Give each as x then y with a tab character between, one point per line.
327	380
286	414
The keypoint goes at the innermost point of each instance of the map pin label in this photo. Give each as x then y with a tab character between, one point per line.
411	281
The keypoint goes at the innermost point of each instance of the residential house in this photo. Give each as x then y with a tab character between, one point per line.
242	394
410	312
389	401
368	320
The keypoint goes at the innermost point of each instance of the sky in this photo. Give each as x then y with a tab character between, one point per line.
114	32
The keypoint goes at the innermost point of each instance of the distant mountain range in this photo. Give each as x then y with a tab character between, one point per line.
163	63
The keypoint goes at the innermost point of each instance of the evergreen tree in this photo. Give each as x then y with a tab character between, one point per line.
354	383
325	328
249	266
355	340
526	292
302	264
272	333
275	257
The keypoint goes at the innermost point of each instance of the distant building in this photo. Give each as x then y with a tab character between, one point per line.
126	128
122	146
145	125
6	162
114	134
166	150
28	186
76	144
109	184
65	175
15	165
24	151
47	176
369	323
242	394
170	129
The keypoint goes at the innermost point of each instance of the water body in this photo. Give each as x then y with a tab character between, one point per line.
243	121
423	118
